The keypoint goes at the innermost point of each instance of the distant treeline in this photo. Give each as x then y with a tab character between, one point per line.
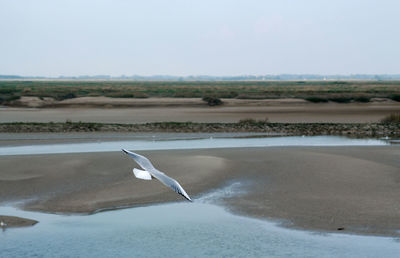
279	77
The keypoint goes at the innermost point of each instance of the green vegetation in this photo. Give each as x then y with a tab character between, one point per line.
392	118
316	99
339	99
213	101
395	97
362	99
69	95
314	91
8	98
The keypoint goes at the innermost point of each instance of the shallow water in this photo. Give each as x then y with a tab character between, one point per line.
190	144
178	230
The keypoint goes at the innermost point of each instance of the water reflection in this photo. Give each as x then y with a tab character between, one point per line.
181	230
190	144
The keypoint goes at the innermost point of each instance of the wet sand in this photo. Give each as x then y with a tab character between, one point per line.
16	222
319	188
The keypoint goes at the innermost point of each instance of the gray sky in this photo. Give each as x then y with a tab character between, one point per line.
197	37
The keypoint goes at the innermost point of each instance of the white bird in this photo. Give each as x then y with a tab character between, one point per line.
2	224
150	171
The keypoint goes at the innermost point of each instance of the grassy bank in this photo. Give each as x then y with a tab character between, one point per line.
315	91
354	129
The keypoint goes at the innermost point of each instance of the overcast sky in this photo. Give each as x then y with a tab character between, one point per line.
198	37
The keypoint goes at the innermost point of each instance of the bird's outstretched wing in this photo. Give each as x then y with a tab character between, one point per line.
172	183
141	160
166	180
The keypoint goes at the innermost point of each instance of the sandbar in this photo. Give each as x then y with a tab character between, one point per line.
350	189
16	222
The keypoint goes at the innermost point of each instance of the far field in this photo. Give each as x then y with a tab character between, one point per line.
132	102
315	91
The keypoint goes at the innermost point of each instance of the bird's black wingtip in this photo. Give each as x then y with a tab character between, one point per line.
186	197
125	151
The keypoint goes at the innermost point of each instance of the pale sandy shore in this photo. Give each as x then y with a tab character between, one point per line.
356	189
149	110
23	139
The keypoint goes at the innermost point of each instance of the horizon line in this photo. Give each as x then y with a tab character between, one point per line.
283	76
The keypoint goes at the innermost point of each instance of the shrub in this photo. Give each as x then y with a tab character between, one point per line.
362	99
66	96
140	95
341	99
11	98
392	118
316	99
14	97
395	97
7	91
212	101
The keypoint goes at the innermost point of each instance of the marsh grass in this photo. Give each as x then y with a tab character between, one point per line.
363	99
220	89
253	122
139	95
316	99
340	98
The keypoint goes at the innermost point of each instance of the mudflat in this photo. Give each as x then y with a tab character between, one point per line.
101	110
354	189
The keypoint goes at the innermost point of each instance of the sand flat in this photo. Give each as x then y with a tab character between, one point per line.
321	188
283	112
15	222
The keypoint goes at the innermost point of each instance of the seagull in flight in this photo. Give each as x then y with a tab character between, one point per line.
149	172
